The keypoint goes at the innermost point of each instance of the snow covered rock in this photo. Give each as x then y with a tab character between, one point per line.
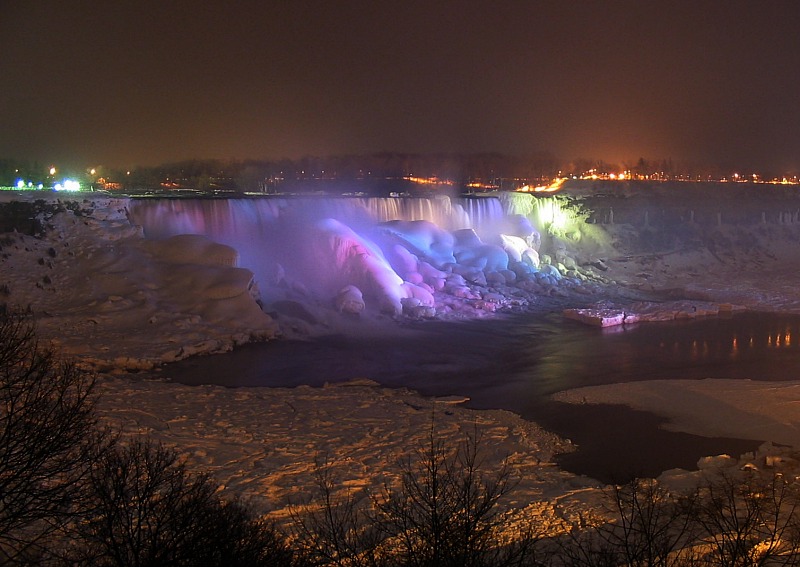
471	252
421	238
596	317
550	270
194	249
514	246
350	300
416	309
335	257
531	257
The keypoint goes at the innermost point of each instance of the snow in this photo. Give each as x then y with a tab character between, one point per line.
744	409
118	301
264	443
605	314
299	252
104	294
350	300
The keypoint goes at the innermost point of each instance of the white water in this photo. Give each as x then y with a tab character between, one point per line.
165	217
276	236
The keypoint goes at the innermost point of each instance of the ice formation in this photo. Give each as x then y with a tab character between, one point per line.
398	253
104	294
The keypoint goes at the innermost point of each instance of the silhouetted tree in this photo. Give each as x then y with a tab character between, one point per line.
335	530
148	510
442	513
651	526
48	440
750	520
445	510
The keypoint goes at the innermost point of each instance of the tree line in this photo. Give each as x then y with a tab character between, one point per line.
264	176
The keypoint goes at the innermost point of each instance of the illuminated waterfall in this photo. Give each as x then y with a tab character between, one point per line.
270	232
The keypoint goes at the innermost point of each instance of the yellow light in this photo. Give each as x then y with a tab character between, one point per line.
552	188
52	171
552	216
428	180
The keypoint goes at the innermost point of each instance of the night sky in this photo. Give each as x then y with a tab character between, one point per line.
125	83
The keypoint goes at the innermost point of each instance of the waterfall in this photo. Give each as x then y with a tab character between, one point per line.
519	203
271	232
219	218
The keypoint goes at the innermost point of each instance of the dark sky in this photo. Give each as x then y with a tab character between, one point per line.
137	82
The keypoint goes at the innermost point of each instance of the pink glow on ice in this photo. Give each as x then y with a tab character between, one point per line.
392	249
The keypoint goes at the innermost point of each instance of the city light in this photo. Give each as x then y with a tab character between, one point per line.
67	185
552	188
428	180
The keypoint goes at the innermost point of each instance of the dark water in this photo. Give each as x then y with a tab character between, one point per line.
516	363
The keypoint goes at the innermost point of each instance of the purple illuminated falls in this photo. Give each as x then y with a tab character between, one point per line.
413	255
392	254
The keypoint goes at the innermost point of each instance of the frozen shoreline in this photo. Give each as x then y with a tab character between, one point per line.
116	301
104	295
745	409
265	443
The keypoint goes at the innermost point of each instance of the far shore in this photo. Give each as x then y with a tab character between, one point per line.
745	409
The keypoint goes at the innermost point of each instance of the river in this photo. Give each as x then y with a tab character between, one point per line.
516	362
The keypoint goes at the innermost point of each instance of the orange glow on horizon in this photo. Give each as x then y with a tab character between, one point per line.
427	180
552	188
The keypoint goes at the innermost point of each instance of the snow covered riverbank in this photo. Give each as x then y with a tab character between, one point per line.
267	443
744	409
115	299
103	293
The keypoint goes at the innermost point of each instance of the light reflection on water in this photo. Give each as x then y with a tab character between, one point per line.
515	363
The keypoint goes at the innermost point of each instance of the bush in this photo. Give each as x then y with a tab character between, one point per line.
442	513
48	440
750	519
445	511
148	510
331	530
651	527
733	519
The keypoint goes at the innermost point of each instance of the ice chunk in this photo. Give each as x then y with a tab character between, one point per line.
337	257
350	300
422	238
